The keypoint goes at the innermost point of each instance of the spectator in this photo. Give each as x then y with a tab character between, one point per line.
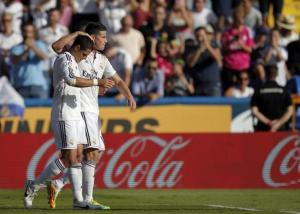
140	13
66	10
28	57
158	3
265	6
293	62
205	63
286	26
271	104
148	83
242	89
203	16
131	40
8	38
253	18
121	61
15	8
258	75
52	33
84	11
179	84
181	20
38	9
237	47
223	9
157	29
160	51
274	54
111	13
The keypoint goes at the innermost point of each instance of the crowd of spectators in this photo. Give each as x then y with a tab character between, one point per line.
159	47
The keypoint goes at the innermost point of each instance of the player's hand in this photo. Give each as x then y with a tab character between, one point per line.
102	91
132	104
106	83
81	33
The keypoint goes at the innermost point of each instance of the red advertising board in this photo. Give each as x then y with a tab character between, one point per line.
260	160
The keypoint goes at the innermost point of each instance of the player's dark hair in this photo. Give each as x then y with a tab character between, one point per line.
84	42
94	28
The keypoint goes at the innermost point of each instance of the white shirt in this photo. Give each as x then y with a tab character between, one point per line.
85	6
49	36
16	9
281	78
66	98
203	18
50	4
237	93
284	41
110	14
96	65
132	42
7	42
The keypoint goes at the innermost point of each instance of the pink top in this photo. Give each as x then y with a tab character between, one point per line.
234	57
165	66
66	16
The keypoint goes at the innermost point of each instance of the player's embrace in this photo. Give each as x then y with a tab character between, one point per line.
67	122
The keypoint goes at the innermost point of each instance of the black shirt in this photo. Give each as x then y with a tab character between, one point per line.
293	61
272	101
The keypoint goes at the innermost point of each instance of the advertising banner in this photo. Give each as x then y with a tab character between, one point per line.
157	118
260	160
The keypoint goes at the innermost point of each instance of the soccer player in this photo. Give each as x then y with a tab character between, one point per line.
67	120
96	65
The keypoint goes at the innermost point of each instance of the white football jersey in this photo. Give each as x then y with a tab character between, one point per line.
96	65
66	98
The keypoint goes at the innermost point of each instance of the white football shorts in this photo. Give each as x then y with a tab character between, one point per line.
93	134
68	133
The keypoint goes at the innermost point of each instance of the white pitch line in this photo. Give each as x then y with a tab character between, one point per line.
290	212
234	208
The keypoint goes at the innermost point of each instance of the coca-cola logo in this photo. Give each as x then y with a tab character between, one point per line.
161	171
131	165
282	166
36	158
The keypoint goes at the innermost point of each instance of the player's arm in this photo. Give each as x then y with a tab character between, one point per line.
72	79
123	88
60	44
82	82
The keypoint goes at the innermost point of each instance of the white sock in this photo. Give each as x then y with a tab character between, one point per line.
53	169
76	181
62	181
88	179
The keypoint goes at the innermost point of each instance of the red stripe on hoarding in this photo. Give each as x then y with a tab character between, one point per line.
260	160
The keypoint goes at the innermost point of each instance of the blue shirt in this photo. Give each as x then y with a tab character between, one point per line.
142	85
29	72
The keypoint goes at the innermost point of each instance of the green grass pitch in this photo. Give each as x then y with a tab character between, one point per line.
165	201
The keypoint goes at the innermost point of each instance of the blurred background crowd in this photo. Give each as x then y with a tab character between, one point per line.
159	47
